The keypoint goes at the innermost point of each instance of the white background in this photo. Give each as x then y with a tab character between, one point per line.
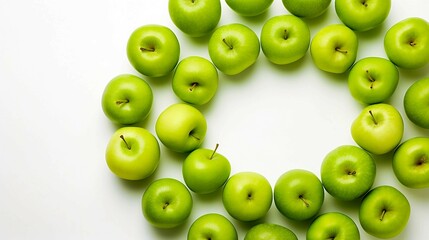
56	58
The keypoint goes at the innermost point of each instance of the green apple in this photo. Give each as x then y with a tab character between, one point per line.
247	196
378	128
181	127
195	17
153	50
285	39
233	48
132	153
249	8
127	99
384	212
306	8
298	194
407	43
333	225
411	162
373	80
195	80
212	226
416	103
362	15
205	170
334	48
348	172
166	203
269	231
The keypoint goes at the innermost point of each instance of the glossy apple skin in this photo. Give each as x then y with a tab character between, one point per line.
205	172
384	212
249	8
333	225
285	39
195	18
306	8
379	136
416	103
269	231
362	16
247	196
233	48
407	43
153	50
181	127
411	162
127	99
166	203
334	48
212	226
373	80
136	159
195	80
348	172
298	194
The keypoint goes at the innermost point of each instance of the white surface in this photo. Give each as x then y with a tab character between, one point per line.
56	58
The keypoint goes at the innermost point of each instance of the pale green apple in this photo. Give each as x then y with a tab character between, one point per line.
132	153
416	103
269	231
333	225
212	226
181	127
334	48
306	8
249	8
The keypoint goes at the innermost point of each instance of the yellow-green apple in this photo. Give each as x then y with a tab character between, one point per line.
373	80
348	172
384	212
233	48
362	15
127	99
195	17
212	226
298	194
247	196
306	8
333	225
195	80
153	50
132	153
285	39
334	48
407	43
249	8
269	231
411	162
181	127
205	170
416	101
166	203
378	128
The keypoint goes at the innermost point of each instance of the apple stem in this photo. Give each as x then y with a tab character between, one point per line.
194	85
371	79
128	146
303	199
351	172
165	205
192	134
147	49
365	3
373	118
422	160
286	34
382	214
338	49
118	102
412	43
214	151
229	45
